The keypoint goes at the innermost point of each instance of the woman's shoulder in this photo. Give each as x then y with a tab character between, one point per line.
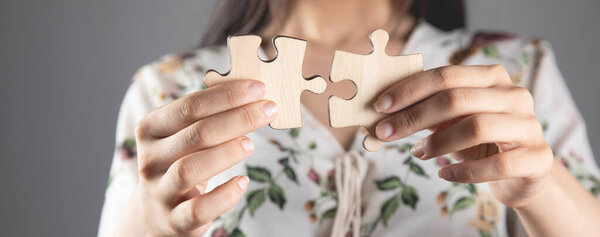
176	74
466	43
521	56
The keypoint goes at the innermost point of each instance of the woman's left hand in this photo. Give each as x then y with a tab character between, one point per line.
479	117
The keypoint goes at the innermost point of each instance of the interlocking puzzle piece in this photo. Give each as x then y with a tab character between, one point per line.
372	74
282	76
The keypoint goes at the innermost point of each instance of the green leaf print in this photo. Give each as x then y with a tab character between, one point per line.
181	86
111	177
484	234
254	200
472	189
491	50
408	160
276	195
417	169
312	145
594	180
405	147
128	143
294	132
388	208
389	183
328	214
595	190
462	203
289	172
237	233
258	174
525	58
544	126
410	197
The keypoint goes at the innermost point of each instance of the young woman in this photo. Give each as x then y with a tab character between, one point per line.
488	127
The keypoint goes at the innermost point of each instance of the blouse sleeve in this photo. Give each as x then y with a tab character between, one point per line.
123	172
154	85
563	125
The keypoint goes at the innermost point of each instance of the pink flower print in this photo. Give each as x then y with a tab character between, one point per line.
220	233
312	175
331	175
128	149
563	161
331	180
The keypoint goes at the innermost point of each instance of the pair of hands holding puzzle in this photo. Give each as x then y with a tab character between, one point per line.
475	114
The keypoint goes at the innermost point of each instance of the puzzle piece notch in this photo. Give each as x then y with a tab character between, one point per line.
372	74
282	76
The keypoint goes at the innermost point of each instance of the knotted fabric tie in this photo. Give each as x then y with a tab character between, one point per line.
350	171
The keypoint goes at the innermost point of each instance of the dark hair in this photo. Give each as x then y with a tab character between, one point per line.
236	17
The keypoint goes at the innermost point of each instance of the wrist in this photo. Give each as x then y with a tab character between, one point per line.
544	193
540	197
132	216
562	207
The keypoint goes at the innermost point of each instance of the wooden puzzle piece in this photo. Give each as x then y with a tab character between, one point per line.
372	74
282	76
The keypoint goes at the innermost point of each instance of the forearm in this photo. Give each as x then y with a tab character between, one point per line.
131	219
563	207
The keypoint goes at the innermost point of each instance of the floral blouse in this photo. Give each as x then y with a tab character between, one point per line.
292	190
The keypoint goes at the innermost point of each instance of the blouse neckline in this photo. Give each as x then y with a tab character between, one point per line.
358	136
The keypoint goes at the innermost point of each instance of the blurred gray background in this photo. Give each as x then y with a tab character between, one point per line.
65	65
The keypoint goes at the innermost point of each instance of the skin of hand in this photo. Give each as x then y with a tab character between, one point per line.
478	117
183	144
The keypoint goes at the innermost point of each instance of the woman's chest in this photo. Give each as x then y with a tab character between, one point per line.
318	62
293	189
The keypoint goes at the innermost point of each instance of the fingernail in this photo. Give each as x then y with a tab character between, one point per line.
446	174
243	182
247	144
270	109
383	103
384	130
417	150
256	89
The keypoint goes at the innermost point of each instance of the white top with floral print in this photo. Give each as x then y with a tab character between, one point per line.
292	189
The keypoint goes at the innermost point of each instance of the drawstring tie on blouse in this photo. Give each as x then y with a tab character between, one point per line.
350	171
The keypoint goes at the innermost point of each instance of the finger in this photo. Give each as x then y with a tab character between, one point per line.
192	193
419	86
527	162
480	129
215	130
203	209
196	168
200	230
473	153
184	111
451	104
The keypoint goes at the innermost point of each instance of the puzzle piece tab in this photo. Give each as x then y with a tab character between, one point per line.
282	76
372	74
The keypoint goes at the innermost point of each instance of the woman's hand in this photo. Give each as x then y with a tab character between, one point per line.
182	145
480	118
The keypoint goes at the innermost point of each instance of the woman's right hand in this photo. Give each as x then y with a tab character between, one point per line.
182	145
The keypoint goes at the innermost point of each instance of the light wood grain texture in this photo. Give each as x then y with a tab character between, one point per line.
282	76
372	74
